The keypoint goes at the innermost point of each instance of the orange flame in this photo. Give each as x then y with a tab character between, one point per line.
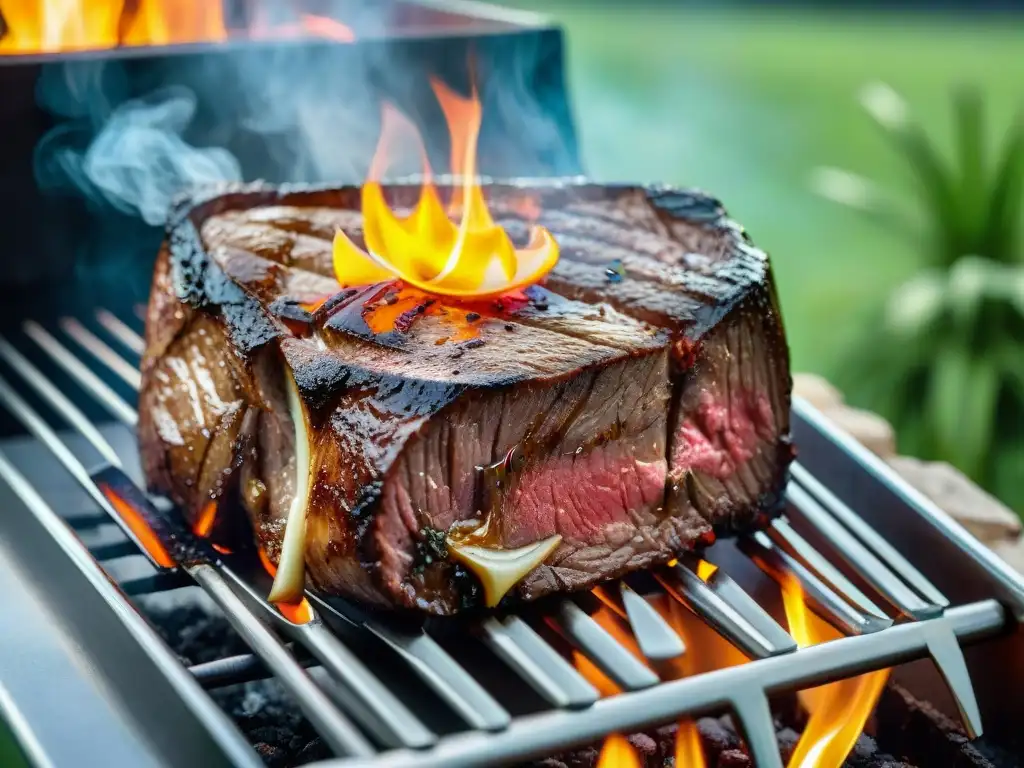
689	751
617	752
297	613
204	523
426	249
838	711
47	26
38	26
149	540
706	650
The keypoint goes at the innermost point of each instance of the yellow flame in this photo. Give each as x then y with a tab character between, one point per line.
59	25
838	711
705	570
689	751
618	753
427	249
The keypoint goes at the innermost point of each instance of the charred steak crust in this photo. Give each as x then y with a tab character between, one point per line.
661	389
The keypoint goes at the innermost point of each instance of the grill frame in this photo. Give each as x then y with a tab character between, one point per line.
874	644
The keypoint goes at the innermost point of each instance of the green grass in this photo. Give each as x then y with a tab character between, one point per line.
745	103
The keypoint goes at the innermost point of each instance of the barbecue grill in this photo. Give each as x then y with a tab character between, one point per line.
85	678
71	582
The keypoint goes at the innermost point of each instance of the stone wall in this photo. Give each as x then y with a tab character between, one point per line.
991	521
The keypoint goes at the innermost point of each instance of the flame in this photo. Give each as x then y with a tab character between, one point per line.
162	22
38	26
617	752
689	751
838	711
47	26
204	524
297	613
706	650
145	535
705	570
426	249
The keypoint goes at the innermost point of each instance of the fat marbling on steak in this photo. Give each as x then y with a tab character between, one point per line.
636	404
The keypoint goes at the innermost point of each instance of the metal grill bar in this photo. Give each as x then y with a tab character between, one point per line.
465	695
539	664
657	640
539	735
375	706
599	646
34	423
95	386
342	737
861	558
781	566
58	400
120	331
144	664
231	670
720	602
381	712
723	585
786	538
127	372
686	587
888	553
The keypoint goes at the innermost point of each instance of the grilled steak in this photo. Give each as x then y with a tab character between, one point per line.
635	405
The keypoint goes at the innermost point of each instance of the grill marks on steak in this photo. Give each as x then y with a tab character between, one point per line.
627	416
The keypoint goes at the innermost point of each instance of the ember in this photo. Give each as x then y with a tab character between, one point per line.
426	249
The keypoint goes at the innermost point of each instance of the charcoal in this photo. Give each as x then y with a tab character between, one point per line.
196	635
723	748
924	735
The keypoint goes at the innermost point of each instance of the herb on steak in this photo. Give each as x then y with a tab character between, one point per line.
430	548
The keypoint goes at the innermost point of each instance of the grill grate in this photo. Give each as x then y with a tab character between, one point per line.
373	722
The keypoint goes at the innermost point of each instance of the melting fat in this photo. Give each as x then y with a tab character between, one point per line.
290	581
501	569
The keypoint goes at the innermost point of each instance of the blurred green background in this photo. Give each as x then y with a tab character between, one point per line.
746	101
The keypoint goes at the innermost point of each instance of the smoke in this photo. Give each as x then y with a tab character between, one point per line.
129	154
135	131
139	162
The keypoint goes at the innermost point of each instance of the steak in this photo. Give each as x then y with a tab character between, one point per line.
629	410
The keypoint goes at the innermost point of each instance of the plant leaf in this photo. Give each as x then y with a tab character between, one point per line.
949	389
970	143
978	418
1000	240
